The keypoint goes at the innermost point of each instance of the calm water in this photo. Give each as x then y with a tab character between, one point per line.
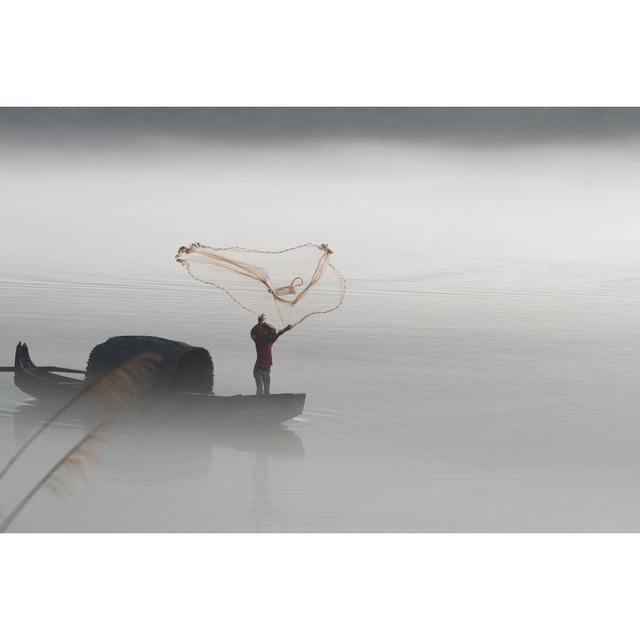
470	402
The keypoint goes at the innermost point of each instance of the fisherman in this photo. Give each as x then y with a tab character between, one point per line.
264	335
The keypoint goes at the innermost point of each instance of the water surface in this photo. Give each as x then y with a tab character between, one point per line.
455	408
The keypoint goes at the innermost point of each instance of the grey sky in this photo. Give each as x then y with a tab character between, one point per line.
116	126
395	192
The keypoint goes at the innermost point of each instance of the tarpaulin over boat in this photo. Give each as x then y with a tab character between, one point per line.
177	366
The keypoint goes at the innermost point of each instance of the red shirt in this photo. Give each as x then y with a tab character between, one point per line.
263	349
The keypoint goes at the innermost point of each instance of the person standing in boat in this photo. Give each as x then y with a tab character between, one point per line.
264	335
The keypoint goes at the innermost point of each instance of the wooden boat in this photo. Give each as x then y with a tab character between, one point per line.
151	372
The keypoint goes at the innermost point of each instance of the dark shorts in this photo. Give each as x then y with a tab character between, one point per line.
263	380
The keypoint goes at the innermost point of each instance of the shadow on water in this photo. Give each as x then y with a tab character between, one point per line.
155	446
180	429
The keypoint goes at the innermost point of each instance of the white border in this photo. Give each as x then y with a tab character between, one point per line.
334	52
323	54
319	586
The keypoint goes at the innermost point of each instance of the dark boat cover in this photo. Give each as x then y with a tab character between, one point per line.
177	365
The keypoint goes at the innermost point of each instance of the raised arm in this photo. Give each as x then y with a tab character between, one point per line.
287	328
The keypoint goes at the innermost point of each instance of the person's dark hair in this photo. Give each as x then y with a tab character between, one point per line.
264	329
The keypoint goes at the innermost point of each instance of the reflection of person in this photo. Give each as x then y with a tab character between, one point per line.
261	508
264	335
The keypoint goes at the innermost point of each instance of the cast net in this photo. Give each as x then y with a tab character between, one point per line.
287	286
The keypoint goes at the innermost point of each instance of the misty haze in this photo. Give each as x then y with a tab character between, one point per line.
480	375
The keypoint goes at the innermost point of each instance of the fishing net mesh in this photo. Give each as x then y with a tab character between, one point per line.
287	286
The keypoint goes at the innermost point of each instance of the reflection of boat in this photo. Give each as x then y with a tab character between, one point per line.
170	457
173	430
173	374
29	416
157	446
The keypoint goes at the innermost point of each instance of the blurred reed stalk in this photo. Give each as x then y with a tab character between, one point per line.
117	390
